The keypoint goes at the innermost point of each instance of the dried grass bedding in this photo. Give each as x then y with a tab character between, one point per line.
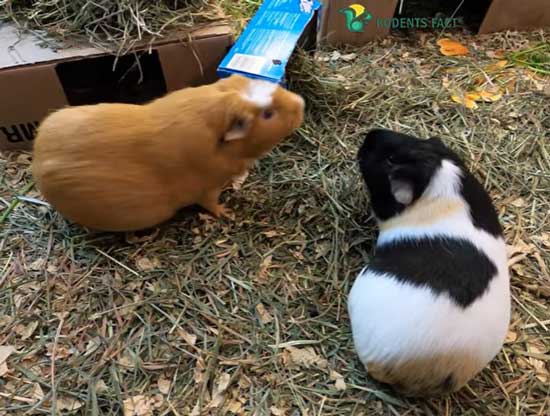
249	316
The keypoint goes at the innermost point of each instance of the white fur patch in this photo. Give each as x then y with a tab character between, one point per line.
446	181
260	92
397	320
394	321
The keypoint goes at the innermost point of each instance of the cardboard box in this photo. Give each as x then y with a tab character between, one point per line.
514	14
266	44
35	80
360	21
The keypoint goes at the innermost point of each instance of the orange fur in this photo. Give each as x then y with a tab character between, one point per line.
424	212
121	167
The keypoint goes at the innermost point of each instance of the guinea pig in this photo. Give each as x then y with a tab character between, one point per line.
125	167
432	307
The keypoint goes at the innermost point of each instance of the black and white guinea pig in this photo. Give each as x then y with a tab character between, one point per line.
432	308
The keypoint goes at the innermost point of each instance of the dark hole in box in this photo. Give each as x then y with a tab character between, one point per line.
93	80
470	13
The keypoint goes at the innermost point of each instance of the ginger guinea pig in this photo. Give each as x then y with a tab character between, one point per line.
432	308
121	167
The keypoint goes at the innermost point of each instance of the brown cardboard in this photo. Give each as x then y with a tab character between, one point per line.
333	22
31	86
514	14
27	95
501	15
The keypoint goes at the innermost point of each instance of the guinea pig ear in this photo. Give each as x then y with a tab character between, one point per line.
239	116
402	191
238	127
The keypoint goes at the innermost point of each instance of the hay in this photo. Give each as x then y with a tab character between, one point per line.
536	58
250	316
115	25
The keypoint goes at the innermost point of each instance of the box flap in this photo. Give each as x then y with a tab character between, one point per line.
18	49
511	14
263	49
193	64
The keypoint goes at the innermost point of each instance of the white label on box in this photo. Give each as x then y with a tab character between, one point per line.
246	63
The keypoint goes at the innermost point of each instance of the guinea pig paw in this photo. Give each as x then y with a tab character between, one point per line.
222	211
239	180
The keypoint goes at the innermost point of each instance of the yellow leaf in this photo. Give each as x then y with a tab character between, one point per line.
497	66
489	96
467	100
449	47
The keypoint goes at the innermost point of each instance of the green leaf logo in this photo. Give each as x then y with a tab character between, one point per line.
356	17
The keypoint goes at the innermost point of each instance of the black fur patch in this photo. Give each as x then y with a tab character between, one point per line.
482	211
386	154
445	265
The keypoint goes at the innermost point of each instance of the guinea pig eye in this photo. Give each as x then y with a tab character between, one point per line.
267	114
